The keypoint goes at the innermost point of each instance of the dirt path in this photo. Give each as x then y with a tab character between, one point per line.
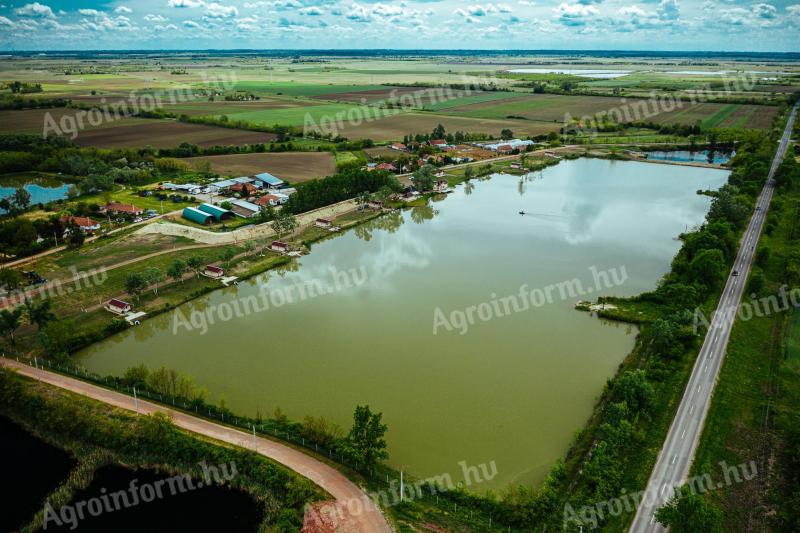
353	509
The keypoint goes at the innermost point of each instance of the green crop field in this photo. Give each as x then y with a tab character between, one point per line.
299	89
298	116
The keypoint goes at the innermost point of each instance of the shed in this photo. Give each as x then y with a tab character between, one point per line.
279	246
217	212
271	181
195	215
118	307
323	223
212	271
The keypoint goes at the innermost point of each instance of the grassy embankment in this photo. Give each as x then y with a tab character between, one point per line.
98	435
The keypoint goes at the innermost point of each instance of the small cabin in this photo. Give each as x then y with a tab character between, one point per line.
279	246
213	272
118	307
323	223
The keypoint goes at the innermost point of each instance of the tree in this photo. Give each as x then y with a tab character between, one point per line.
365	442
22	199
55	338
39	313
76	237
284	222
135	283
195	263
469	172
9	322
176	270
708	267
11	279
688	512
423	178
438	132
228	254
506	134
152	277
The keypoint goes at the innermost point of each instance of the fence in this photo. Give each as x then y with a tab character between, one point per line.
382	476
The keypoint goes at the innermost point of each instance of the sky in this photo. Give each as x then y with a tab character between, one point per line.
702	25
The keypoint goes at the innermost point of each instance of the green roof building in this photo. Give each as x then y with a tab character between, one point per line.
195	215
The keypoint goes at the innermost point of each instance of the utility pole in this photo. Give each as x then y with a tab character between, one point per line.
136	400
402	489
255	448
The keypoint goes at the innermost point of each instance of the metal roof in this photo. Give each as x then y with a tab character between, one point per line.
268	178
195	215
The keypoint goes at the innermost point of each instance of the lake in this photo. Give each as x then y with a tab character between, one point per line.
714	157
583	73
513	388
42	189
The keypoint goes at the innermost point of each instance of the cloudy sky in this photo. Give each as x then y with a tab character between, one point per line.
733	25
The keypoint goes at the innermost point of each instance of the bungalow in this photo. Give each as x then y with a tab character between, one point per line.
118	307
213	272
400	147
86	225
279	246
122	209
440	186
244	189
440	143
387	166
218	213
269	200
244	208
504	149
270	181
323	223
195	215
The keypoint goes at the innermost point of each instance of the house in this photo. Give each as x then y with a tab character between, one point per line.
270	181
440	143
213	272
279	246
244	189
118	307
218	213
269	200
122	209
551	154
244	208
199	217
323	223
372	166
86	225
400	147
516	165
504	149
375	204
387	166
440	186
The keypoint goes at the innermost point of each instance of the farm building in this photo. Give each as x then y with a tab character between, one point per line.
269	200
118	307
87	225
270	181
195	215
279	246
123	209
217	212
213	272
513	144
323	223
244	208
244	189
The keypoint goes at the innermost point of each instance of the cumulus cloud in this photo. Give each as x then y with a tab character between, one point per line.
190	24
221	11
155	18
575	14
185	3
312	11
35	10
123	9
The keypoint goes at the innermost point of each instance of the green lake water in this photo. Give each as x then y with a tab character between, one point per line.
512	389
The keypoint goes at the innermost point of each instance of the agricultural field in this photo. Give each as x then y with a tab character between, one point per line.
298	116
293	167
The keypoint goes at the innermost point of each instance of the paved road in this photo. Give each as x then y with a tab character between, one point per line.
675	460
353	510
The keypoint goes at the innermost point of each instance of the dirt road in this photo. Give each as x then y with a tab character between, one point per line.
353	510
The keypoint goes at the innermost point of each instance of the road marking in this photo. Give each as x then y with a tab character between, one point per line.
683	434
674	458
692	409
